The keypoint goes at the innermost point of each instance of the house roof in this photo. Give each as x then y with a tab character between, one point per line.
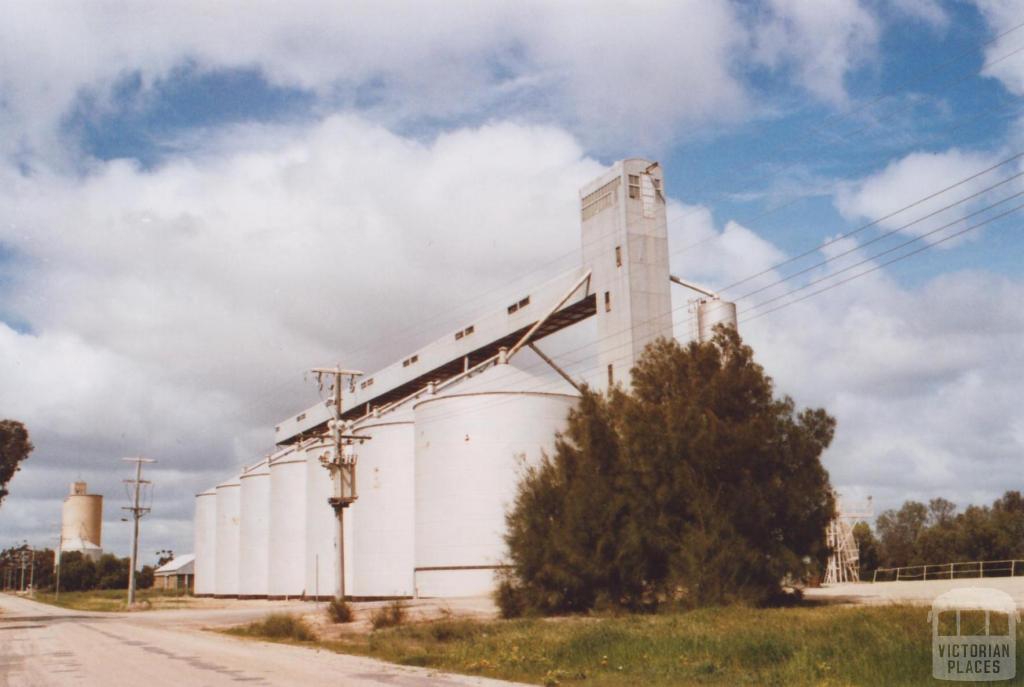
179	565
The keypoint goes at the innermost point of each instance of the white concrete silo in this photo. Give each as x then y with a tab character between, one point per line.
82	522
228	521
473	441
287	551
254	533
384	539
205	543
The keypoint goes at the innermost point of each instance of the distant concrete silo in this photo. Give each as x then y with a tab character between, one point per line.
473	442
228	529
384	539
254	532
711	312
321	573
82	522
287	553
205	543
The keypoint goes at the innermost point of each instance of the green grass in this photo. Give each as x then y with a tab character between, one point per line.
276	626
720	646
108	600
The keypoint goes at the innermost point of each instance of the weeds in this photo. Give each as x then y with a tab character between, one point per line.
277	626
388	616
338	611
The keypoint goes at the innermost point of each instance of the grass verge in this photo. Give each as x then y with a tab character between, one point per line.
722	646
109	600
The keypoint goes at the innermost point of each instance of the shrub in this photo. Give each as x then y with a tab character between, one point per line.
280	626
509	596
338	611
388	616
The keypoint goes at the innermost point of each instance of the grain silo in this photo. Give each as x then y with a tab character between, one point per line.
205	543
383	536
473	442
254	531
449	426
82	522
228	521
287	551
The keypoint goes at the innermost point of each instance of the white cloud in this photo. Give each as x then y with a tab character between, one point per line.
172	311
1002	17
919	175
622	75
822	40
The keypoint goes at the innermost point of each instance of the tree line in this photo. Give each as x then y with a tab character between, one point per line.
919	534
78	572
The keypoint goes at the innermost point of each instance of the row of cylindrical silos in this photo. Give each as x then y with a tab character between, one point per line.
435	478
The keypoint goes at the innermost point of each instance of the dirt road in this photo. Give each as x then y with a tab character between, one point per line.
43	645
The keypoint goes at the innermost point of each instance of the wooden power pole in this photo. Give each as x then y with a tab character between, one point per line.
137	511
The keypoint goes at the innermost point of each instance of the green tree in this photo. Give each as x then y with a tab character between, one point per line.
698	486
14	448
867	549
77	572
145	577
111	572
898	533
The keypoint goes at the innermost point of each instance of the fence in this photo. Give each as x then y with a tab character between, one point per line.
950	571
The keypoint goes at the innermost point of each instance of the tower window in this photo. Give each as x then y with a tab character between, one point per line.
618	256
611	375
634	186
607	301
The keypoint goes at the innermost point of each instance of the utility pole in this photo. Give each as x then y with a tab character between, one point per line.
56	562
24	551
339	463
137	511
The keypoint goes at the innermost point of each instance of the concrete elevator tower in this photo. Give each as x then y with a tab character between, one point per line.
625	245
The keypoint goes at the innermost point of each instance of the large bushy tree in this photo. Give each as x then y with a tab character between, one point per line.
14	448
698	486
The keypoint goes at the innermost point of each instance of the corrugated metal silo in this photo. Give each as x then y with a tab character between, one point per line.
321	572
711	312
205	544
472	444
287	553
384	540
228	521
254	535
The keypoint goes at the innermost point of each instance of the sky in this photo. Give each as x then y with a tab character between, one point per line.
200	201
